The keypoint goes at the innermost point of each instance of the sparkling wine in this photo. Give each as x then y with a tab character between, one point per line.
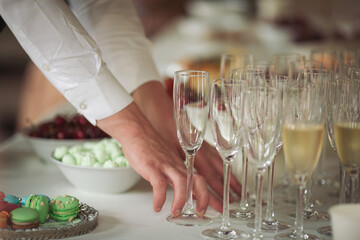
347	139
302	145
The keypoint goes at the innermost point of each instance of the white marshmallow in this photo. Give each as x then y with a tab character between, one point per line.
60	152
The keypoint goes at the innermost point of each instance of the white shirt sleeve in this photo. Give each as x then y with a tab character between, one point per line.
117	30
61	48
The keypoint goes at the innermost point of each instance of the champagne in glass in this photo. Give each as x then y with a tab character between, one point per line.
303	136
346	120
191	97
288	65
347	138
225	115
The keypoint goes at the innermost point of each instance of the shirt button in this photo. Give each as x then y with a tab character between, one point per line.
46	67
83	106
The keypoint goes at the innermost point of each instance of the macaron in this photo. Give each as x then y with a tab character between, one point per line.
4	218
23	200
12	199
8	207
64	208
40	204
24	218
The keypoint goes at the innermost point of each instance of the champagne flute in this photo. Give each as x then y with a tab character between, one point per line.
333	92
313	72
261	123
287	64
270	223
191	97
230	61
303	135
346	121
244	212
225	110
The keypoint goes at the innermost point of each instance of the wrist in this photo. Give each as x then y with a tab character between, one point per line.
127	123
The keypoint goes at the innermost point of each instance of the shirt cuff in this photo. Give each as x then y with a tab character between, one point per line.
99	97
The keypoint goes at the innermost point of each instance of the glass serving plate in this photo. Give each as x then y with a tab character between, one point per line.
85	222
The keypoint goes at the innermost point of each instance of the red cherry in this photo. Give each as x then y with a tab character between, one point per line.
79	134
59	120
82	120
61	134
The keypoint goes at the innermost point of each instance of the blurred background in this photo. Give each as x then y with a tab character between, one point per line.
189	34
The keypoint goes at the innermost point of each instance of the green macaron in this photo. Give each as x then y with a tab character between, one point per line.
23	218
64	208
40	204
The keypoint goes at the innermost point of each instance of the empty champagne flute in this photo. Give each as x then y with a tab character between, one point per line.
245	211
231	61
225	110
270	223
303	134
261	124
191	98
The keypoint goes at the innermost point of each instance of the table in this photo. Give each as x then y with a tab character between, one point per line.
122	216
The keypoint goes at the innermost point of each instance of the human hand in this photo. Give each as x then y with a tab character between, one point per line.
153	159
154	102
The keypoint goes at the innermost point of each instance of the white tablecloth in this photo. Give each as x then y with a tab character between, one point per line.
122	216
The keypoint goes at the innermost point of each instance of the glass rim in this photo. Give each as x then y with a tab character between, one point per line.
191	72
225	81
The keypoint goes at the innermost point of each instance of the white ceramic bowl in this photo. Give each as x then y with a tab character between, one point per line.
98	179
43	147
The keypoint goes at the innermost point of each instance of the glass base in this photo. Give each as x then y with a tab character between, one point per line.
231	233
191	219
271	226
287	236
241	214
326	231
316	216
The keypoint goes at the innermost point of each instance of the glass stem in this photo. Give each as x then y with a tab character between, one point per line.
269	216
243	201
299	220
225	225
354	188
189	207
258	204
308	206
342	192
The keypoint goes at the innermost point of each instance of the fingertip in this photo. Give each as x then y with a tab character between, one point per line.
159	191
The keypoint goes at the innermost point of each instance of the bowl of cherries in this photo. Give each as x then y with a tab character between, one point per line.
59	131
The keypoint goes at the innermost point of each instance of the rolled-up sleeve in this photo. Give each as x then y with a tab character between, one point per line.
117	30
67	55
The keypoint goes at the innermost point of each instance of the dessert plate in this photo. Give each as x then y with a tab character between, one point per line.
85	222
